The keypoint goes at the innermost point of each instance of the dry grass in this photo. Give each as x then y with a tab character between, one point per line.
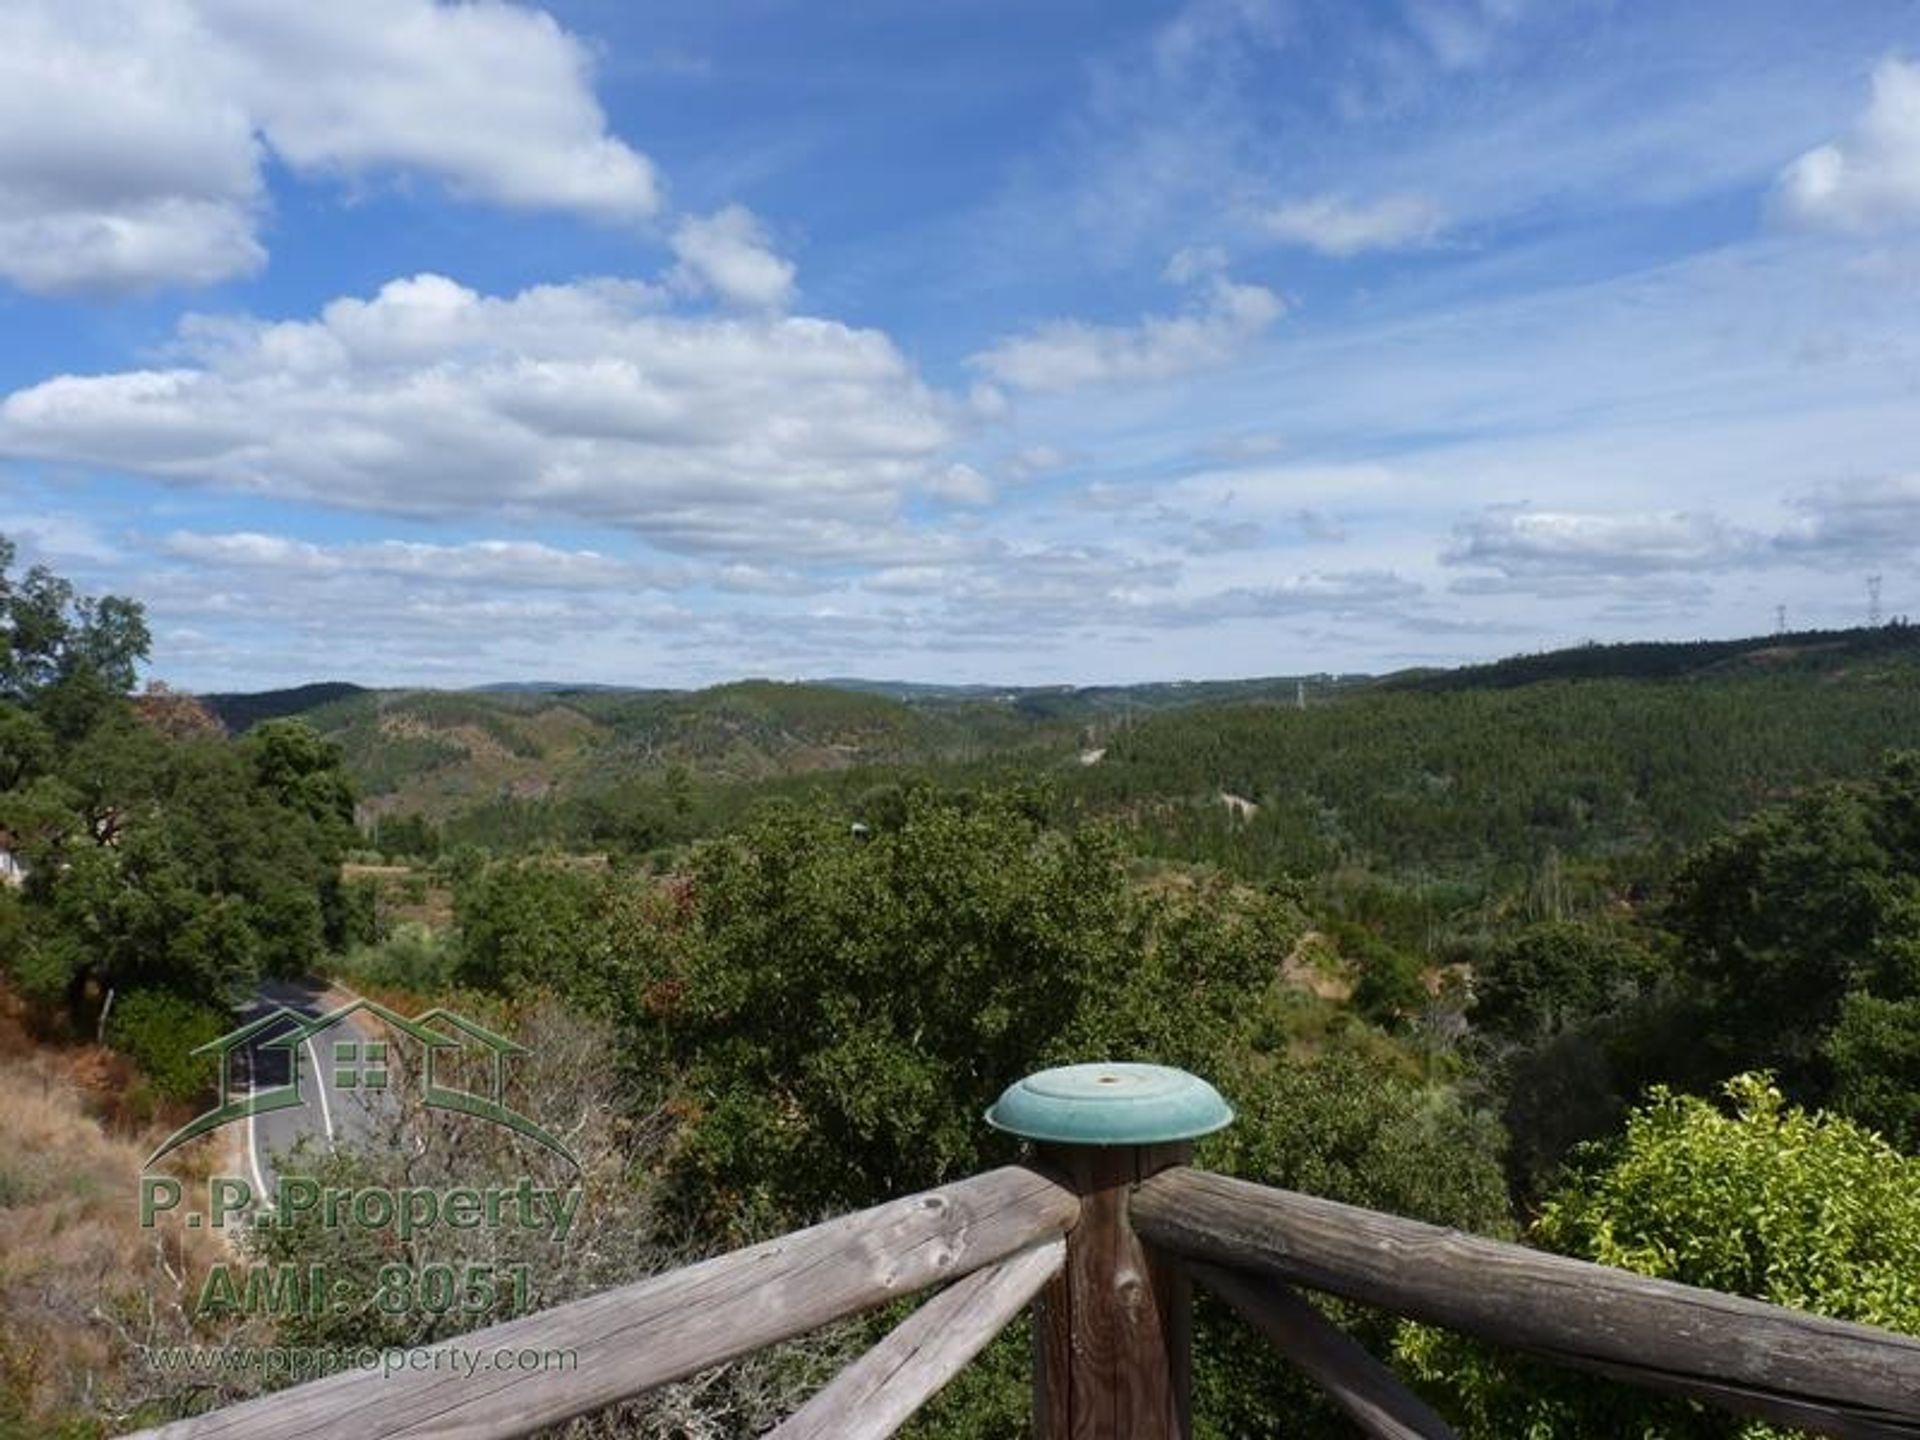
1315	964
81	1284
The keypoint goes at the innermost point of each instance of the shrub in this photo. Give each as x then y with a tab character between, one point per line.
159	1032
413	958
1773	1202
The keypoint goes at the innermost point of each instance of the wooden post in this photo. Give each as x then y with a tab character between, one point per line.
1112	1332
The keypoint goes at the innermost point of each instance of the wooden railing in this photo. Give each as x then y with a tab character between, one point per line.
1104	1241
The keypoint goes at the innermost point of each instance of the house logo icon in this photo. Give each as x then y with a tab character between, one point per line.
360	1064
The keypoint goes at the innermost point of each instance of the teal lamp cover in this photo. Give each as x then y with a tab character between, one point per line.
1110	1103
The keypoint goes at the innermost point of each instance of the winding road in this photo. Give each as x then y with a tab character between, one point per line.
327	1113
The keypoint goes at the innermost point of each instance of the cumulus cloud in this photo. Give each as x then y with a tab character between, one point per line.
1870	179
1339	592
133	132
1335	225
57	537
584	401
765	580
1009	589
1523	543
523	564
1855	518
960	485
727	253
1222	319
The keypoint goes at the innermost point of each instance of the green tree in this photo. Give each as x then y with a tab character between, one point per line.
1875	1054
529	924
1770	1201
1789	914
1553	975
65	655
833	1010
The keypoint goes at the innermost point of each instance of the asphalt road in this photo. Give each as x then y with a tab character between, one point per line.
328	1114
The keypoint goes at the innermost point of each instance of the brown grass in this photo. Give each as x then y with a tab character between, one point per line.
81	1284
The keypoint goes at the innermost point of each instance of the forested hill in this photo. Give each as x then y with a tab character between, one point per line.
1598	751
241	711
436	752
1672	659
1627	752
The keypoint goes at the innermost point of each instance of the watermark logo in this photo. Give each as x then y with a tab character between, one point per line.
358	1063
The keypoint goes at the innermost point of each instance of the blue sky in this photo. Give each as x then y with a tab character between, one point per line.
408	342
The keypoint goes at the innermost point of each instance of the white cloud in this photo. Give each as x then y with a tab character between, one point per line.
1526	543
765	580
960	485
120	167
1033	461
1338	592
57	537
133	132
582	401
1845	522
727	253
1870	180
523	564
1217	537
1070	354
1335	225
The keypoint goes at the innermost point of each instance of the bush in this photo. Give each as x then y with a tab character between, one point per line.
159	1032
1773	1202
413	958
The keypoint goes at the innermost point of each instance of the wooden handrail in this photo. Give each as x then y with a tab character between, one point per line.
1103	1243
1370	1394
879	1392
636	1337
1765	1360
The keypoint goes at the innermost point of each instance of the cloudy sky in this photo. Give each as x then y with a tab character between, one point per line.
1021	340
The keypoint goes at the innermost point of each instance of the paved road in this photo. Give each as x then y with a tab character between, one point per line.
327	1114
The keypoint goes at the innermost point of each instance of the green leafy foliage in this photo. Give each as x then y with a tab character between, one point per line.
1791	912
1874	1051
412	958
529	924
1771	1201
158	857
1552	976
160	1031
845	1008
63	653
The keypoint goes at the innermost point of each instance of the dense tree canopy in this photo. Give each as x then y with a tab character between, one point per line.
62	654
1802	925
158	855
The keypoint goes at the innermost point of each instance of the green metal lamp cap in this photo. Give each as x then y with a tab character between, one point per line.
1112	1103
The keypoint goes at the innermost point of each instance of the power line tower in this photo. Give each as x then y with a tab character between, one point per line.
1873	601
1779	619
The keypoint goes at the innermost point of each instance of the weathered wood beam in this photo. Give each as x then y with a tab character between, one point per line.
1813	1416
1370	1394
1113	1332
1762	1359
879	1392
633	1338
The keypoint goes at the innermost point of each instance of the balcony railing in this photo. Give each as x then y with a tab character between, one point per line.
1103	1233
